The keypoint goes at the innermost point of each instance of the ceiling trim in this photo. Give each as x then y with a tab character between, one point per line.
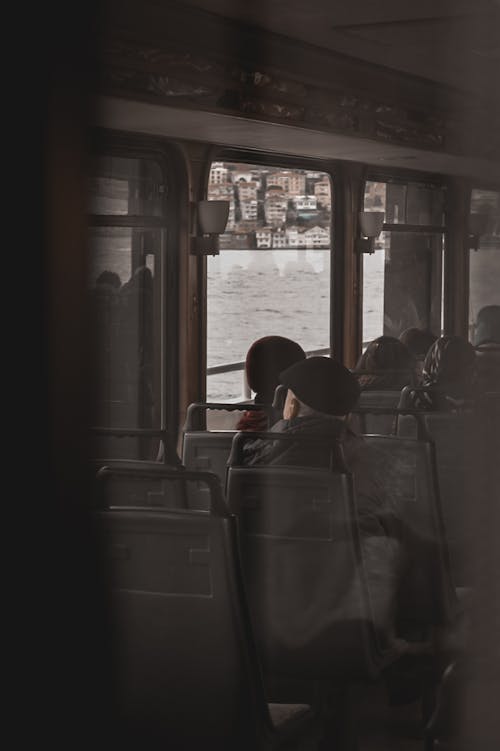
251	133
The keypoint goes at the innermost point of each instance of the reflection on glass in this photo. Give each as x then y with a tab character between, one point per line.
402	285
484	264
124	186
123	293
406	203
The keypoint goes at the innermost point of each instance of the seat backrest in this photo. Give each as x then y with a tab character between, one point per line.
488	367
453	437
186	669
414	488
197	412
371	422
133	484
208	450
134	444
304	571
379	398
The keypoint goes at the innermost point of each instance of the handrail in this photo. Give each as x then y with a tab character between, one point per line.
230	367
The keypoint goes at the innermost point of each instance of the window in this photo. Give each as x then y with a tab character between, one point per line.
272	275
484	263
402	279
127	267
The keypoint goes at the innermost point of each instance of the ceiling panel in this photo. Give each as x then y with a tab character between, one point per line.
454	42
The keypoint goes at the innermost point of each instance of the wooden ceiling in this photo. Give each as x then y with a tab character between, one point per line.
393	82
454	42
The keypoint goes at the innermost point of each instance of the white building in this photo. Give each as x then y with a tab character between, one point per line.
275	211
323	193
275	206
248	210
317	237
305	203
293	182
263	237
247	191
218	174
295	236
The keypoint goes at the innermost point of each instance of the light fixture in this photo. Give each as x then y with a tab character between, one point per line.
211	222
477	227
370	223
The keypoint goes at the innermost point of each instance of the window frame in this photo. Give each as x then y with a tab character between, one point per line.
405	177
284	161
111	143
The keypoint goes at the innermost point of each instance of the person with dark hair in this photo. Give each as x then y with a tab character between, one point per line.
386	363
418	341
320	393
265	359
447	377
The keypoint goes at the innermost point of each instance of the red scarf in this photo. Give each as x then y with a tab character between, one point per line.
252	420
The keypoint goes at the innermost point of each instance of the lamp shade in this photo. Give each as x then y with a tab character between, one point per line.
371	222
212	216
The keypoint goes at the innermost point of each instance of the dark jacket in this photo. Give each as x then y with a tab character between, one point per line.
368	465
447	377
395	557
376	517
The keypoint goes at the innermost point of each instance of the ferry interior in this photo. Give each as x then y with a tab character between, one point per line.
190	601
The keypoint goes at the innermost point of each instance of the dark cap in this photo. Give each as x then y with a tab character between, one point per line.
323	384
266	358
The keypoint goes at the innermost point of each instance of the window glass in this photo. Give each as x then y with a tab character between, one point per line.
484	263
273	272
124	295
122	186
411	203
126	308
402	278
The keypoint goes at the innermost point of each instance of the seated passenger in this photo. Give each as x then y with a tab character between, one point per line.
447	377
418	341
321	393
265	359
386	363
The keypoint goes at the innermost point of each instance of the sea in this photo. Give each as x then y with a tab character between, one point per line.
255	293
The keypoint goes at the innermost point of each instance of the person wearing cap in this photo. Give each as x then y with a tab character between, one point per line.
321	393
265	359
